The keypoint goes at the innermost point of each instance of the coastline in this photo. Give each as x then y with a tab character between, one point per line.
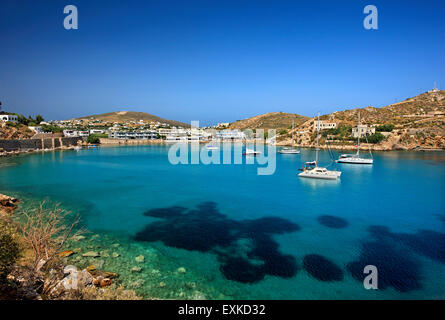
118	142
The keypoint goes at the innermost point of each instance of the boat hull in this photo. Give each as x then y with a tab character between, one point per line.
288	152
356	161
330	176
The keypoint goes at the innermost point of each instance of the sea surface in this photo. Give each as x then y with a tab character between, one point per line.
225	232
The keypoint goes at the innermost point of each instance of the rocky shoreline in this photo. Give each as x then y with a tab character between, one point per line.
62	281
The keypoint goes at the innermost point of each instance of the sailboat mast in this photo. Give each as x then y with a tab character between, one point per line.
316	150
293	133
358	131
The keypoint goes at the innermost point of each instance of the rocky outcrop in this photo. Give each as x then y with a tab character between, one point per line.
8	204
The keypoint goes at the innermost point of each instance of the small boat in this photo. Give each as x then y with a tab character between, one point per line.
250	152
355	158
210	147
289	151
312	170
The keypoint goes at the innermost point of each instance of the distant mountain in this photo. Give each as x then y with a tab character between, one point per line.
271	120
123	116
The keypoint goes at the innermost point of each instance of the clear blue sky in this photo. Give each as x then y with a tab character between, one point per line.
216	61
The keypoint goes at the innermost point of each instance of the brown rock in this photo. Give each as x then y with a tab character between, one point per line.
66	253
105	282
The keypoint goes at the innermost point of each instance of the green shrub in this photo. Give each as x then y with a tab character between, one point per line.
376	138
92	138
385	128
9	250
53	129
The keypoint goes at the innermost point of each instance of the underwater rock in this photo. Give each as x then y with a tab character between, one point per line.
115	254
65	253
104	274
91	254
140	259
138	283
162	284
77	250
181	270
321	268
104	254
78	238
396	266
115	245
136	269
245	249
190	285
91	268
332	222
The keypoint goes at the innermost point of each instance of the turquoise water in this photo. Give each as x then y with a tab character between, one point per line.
243	235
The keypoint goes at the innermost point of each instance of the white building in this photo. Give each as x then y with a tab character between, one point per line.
36	129
362	130
322	125
99	131
136	135
230	135
8	117
75	133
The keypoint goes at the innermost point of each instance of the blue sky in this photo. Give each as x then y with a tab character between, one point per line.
216	61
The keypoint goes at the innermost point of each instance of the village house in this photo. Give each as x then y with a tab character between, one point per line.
322	125
362	130
8	117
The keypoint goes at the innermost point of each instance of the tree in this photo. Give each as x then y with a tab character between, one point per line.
385	128
22	119
39	119
92	138
376	138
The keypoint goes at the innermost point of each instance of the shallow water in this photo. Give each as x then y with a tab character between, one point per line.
241	235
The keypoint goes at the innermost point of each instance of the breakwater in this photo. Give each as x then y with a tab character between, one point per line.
25	145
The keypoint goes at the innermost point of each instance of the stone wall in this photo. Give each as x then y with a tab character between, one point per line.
38	144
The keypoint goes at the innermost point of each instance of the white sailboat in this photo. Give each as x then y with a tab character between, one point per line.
355	158
211	147
287	150
251	152
312	170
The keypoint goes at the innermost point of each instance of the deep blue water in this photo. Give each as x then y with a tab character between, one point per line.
276	236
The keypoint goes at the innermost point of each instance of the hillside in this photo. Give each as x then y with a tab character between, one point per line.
419	122
125	116
271	120
13	132
400	114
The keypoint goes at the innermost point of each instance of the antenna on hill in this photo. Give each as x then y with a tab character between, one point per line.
434	88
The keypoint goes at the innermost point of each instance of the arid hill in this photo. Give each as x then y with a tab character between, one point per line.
124	116
271	120
419	123
18	131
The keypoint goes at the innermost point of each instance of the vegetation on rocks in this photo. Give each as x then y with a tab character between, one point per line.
32	265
